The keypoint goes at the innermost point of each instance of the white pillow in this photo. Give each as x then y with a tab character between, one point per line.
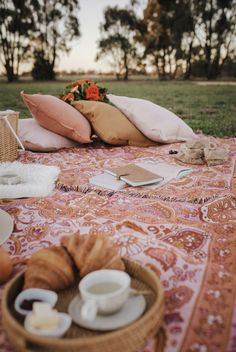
154	121
38	139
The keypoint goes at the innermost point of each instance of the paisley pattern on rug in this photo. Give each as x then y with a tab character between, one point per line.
79	164
191	246
221	210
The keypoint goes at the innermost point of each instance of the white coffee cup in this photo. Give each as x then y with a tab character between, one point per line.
103	292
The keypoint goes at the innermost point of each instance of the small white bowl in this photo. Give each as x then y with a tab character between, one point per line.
47	296
63	326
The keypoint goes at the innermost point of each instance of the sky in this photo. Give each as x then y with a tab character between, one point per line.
84	49
82	56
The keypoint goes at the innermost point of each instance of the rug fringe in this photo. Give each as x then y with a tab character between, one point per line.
147	195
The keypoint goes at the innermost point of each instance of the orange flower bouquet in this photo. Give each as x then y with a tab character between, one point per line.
84	90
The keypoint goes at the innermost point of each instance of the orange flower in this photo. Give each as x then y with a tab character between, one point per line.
78	83
68	97
92	92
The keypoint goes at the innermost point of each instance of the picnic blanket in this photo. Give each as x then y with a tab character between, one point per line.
79	164
184	231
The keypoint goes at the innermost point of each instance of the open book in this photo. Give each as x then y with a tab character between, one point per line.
168	171
164	172
134	175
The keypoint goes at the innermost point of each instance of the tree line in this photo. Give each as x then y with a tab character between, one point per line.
184	38
36	30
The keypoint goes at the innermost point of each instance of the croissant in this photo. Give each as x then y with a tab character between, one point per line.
49	268
92	252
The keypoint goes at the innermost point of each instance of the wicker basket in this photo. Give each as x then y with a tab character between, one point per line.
8	142
78	339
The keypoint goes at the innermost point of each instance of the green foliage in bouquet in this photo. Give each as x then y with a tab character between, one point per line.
84	90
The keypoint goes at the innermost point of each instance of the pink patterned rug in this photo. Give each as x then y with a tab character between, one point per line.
79	164
189	243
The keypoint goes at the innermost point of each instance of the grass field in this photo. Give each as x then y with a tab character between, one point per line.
210	109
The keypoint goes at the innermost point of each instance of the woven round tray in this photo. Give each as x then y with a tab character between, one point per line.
127	339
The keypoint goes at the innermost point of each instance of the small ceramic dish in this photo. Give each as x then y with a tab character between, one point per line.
60	330
9	178
34	294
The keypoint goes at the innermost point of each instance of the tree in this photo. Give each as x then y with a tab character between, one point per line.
167	23
184	32
16	27
216	33
42	69
57	26
118	32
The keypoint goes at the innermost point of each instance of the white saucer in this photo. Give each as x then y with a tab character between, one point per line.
6	226
131	311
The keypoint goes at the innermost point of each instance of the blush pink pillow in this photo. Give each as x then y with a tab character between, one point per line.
36	138
154	121
59	117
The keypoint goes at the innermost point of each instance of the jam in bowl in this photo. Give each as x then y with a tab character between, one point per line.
25	300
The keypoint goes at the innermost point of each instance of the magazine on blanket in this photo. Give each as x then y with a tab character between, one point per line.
134	175
168	172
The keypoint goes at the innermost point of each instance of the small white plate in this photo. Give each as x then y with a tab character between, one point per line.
6	226
131	311
35	293
64	324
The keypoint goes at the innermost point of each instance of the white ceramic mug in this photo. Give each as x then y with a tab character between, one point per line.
103	292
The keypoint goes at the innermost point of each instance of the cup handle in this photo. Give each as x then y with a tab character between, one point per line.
89	310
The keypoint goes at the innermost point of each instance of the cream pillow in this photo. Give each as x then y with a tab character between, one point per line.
111	125
154	121
59	117
38	139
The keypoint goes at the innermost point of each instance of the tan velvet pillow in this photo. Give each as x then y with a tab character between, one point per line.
59	117
111	125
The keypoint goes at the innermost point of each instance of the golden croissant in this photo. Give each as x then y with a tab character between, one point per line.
49	268
92	252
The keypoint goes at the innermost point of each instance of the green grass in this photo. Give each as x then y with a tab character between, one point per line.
210	109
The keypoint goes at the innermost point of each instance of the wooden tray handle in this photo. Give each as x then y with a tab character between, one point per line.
18	341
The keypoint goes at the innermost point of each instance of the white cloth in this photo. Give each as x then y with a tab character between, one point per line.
37	180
